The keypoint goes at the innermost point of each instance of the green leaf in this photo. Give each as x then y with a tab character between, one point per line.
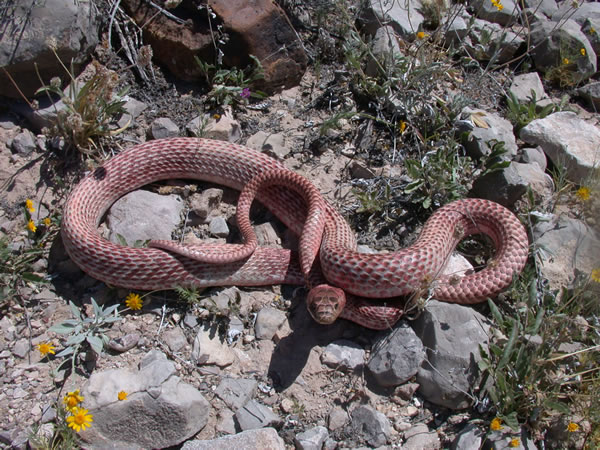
96	344
496	313
76	339
75	310
108	311
97	309
557	406
512	421
508	349
66	327
28	276
67	351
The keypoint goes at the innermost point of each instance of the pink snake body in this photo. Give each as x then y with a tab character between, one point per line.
410	270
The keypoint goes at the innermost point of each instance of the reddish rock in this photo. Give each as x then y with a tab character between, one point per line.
257	27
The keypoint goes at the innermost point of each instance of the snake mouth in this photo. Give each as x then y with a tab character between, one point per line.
325	303
324	314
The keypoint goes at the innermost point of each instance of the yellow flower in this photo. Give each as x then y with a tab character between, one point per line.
80	419
31	226
122	395
596	275
565	61
421	35
29	205
496	424
592	30
582	51
45	348
72	399
216	116
133	301
583	193
402	126
514	442
572	427
47	221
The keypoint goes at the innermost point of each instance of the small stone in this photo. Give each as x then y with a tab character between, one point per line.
218	227
343	355
190	320
337	418
208	348
419	436
24	143
21	348
236	392
202	204
268	321
311	439
175	339
372	425
124	343
254	415
163	127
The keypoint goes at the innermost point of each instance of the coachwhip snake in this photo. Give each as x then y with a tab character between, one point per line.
330	253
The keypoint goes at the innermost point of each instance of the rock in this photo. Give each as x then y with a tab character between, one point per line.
504	16
163	127
133	108
451	334
490	42
568	141
396	358
272	144
255	415
522	87
142	215
73	27
579	14
343	355
506	186
263	439
160	410
226	422
337	418
371	425
223	129
386	51
591	93
124	343
218	227
24	143
469	437
21	348
546	7
569	246
589	28
549	41
209	348
236	392
268	321
266	235
359	170
260	29
534	155
175	339
202	204
419	436
481	139
311	439
404	17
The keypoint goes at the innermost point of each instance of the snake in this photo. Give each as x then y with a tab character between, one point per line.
343	283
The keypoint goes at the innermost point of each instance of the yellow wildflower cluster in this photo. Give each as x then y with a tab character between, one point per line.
45	348
572	427
583	193
29	205
596	275
79	418
497	4
515	442
421	35
122	395
496	424
133	301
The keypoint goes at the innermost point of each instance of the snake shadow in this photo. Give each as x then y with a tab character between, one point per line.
291	353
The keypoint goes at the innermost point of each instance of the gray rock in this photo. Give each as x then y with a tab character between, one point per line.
568	141
142	215
21	348
590	29
133	109
546	7
536	155
451	334
506	186
266	235
396	358
24	143
124	343
224	129
311	439
404	17
273	144
268	321
218	227
371	425
190	320
343	355
255	415
523	85
226	422
491	42
583	11
469	437
386	51
419	436
263	439
568	246
480	139
591	93
74	27
163	127
549	41
486	10
236	392
337	418
209	348
175	339
160	410
203	204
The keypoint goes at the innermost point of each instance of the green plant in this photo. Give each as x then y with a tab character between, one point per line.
63	437
86	333
231	86
373	202
521	114
90	107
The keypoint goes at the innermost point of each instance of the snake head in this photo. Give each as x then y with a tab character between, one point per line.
325	303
